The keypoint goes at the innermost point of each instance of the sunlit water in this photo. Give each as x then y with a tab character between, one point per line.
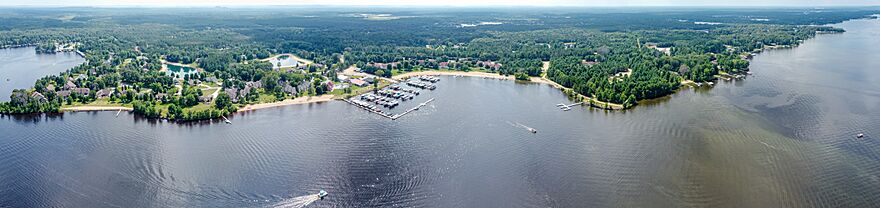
781	138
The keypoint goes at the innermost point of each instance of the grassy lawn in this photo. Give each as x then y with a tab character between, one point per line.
209	91
98	102
266	98
211	84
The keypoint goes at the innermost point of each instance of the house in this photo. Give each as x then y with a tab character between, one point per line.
81	91
206	98
50	87
304	86
81	76
63	93
328	84
342	78
444	65
340	86
38	97
369	80
70	85
290	90
257	84
104	93
359	82
233	94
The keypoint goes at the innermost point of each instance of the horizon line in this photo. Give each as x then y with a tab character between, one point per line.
429	6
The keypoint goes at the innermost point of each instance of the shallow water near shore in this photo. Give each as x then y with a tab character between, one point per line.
783	137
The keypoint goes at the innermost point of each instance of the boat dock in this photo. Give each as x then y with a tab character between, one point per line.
373	109
412	109
565	107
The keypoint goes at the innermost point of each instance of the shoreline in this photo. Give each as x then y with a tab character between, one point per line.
538	80
295	101
95	108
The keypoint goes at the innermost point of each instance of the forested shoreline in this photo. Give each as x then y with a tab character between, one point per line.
613	57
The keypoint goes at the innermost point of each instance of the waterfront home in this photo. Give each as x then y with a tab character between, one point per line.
290	90
444	65
81	91
81	76
38	97
104	93
63	93
50	87
70	85
304	85
233	94
328	84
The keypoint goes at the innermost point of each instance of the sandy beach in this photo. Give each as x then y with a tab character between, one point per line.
295	101
95	108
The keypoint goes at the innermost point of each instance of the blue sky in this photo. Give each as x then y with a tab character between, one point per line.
793	3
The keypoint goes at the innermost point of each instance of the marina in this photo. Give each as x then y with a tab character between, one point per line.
383	101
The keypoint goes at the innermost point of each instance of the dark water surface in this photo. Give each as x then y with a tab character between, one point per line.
781	138
23	66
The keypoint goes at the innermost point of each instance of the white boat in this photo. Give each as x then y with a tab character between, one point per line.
322	194
860	135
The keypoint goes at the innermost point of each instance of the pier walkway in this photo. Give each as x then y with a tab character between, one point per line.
389	116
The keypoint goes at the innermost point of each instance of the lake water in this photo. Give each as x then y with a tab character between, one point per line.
179	71
781	138
21	67
283	61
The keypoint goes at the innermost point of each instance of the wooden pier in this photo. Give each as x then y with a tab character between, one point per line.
395	116
565	107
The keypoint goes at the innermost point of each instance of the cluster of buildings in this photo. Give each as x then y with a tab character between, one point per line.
449	64
70	88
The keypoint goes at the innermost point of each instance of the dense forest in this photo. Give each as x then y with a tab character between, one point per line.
615	55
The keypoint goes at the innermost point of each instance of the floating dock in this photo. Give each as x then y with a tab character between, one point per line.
226	120
565	107
386	115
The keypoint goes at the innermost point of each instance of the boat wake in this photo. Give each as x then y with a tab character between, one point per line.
298	202
517	124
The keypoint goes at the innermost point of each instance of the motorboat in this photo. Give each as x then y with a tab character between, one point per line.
322	194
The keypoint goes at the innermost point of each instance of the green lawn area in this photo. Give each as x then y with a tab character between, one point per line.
98	102
209	91
211	84
266	98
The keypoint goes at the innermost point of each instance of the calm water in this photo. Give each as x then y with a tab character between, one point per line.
23	66
781	138
283	61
